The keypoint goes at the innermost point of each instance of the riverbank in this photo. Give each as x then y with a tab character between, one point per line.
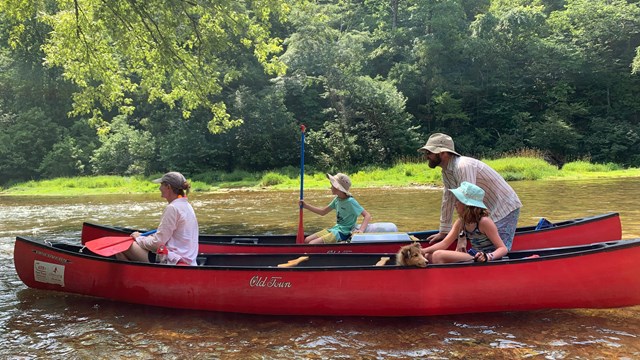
401	175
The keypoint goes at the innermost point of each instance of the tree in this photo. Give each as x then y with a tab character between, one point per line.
268	137
365	121
178	52
24	141
64	160
124	150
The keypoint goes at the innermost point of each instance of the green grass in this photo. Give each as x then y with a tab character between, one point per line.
513	168
523	168
93	185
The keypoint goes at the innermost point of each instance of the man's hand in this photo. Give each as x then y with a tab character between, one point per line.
436	237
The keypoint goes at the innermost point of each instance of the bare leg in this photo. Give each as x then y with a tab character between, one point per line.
310	238
448	256
134	253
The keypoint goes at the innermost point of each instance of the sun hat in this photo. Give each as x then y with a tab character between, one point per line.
341	182
469	194
173	178
438	143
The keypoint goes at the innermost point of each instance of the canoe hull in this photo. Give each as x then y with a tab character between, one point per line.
586	230
573	280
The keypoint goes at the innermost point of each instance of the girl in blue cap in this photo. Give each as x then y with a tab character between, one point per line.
474	225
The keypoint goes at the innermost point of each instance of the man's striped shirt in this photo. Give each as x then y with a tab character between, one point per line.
500	198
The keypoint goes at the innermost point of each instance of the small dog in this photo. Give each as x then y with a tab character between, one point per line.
410	255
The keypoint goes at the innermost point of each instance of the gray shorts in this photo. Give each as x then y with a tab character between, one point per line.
507	227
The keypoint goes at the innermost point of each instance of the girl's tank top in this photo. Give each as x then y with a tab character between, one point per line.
479	241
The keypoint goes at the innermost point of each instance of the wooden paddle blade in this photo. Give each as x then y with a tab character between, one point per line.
109	245
294	262
383	261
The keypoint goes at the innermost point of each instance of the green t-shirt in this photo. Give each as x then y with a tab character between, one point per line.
347	212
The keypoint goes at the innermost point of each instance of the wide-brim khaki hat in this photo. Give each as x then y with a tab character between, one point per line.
341	182
438	143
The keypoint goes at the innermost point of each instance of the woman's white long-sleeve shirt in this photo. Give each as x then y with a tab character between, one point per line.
178	231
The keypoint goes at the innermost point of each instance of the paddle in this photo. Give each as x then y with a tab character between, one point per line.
111	245
294	262
300	237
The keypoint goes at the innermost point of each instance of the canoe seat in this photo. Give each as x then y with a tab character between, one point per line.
380	237
244	240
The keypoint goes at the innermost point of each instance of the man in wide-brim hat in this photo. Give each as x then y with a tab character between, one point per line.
501	200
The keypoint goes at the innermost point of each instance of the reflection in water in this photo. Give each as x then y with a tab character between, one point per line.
44	324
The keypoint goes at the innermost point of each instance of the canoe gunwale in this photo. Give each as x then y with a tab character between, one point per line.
520	230
547	254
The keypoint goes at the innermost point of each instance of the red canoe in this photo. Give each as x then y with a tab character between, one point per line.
586	230
601	275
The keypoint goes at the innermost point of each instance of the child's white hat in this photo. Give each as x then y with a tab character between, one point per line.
341	182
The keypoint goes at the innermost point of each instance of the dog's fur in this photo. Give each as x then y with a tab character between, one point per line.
410	255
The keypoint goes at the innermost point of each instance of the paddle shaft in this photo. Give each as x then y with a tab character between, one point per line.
150	232
300	236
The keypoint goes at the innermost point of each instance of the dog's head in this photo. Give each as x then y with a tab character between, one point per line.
410	255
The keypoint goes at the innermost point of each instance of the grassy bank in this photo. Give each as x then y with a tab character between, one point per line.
512	168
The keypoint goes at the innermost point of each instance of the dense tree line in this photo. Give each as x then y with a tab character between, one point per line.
93	87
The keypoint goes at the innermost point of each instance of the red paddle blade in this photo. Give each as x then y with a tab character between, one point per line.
109	245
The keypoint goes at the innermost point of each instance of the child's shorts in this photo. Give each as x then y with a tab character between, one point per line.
328	237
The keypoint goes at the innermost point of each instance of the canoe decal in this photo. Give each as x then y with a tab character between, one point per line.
48	273
269	282
52	257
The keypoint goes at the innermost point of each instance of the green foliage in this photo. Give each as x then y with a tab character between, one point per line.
582	166
370	79
400	175
523	168
272	178
222	179
179	53
124	150
25	140
556	136
64	160
268	138
86	186
614	141
184	145
371	126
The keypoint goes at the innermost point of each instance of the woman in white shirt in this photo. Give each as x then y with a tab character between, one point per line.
178	229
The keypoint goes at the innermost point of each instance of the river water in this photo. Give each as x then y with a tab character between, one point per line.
40	324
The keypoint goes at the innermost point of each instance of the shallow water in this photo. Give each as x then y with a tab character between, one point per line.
40	324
